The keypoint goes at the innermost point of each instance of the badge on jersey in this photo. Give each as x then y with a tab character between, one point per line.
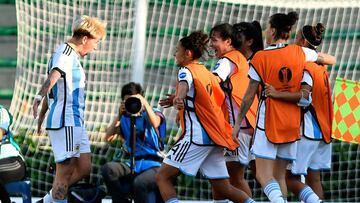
217	66
182	75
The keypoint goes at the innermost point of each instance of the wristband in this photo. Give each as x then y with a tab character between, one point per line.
38	97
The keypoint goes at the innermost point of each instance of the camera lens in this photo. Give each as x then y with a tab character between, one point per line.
133	105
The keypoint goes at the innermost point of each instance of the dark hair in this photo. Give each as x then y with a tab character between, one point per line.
313	34
196	42
81	33
250	31
226	31
283	24
131	88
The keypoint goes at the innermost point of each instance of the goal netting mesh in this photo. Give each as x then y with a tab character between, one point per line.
42	25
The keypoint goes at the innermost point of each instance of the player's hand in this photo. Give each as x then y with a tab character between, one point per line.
270	91
177	120
178	103
168	101
235	133
35	106
40	121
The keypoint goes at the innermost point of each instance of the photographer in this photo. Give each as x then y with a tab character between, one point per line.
150	130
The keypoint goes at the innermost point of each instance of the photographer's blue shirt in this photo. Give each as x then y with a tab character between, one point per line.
148	144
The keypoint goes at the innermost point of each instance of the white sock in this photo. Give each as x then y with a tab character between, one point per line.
60	200
273	191
172	200
249	200
221	201
48	197
308	196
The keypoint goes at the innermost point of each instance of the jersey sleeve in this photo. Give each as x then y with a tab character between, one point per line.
61	62
310	55
185	75
223	68
307	79
253	74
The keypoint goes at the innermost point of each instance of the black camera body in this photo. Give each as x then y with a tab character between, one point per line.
133	106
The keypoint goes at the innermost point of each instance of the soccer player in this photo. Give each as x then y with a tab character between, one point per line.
278	121
150	130
64	92
316	124
205	132
232	69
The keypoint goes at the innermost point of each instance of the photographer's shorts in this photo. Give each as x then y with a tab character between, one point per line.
189	158
69	142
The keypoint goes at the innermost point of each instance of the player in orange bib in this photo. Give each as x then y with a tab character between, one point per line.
314	148
229	42
278	121
205	131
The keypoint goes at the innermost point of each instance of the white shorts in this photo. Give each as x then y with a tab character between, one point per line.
311	155
262	148
242	153
68	142
189	158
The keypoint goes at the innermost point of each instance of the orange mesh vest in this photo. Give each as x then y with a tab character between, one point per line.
208	100
283	69
321	99
239	82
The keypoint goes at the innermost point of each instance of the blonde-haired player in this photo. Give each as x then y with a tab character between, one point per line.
64	98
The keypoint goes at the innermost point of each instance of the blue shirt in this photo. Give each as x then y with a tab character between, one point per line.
148	139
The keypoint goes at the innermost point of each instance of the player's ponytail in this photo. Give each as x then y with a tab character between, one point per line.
197	43
282	23
313	35
249	31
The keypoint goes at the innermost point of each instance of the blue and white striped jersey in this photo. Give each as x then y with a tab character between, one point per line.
67	98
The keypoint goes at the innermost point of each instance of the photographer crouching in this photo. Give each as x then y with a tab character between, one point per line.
123	180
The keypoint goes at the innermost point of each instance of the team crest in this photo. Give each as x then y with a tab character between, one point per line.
285	75
77	147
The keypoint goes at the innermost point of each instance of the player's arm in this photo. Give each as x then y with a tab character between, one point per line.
245	105
320	58
45	89
325	59
44	109
294	97
181	94
302	98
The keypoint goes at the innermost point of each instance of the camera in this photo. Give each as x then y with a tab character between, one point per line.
133	106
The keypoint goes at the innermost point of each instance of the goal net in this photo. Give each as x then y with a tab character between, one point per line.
42	25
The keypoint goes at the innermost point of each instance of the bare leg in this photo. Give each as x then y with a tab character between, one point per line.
313	179
280	174
64	171
82	168
294	183
237	173
264	170
165	178
224	190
